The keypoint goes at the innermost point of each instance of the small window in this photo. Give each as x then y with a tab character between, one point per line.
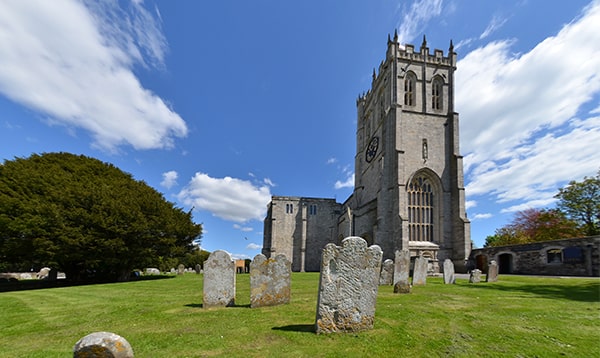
409	89
436	94
289	208
312	209
554	256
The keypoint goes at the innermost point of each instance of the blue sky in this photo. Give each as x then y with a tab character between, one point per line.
219	105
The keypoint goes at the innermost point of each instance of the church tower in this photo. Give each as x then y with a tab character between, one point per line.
409	190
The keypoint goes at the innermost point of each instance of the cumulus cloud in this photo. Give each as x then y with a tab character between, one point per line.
73	62
169	179
227	198
525	133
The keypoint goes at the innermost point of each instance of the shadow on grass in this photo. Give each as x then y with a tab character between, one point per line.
200	305
588	292
305	328
43	284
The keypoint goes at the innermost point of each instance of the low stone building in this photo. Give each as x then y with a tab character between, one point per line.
566	257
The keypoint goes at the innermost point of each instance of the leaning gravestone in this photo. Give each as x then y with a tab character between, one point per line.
387	273
102	345
219	280
348	286
475	276
449	277
401	271
270	281
420	271
492	274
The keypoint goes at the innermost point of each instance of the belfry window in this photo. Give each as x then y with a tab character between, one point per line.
409	89
420	209
436	94
289	208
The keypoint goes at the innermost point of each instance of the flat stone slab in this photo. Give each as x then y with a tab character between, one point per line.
348	286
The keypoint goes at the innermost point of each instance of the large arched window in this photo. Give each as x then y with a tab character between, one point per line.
410	83
437	102
420	209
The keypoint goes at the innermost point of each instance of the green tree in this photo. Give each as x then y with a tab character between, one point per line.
580	201
534	225
86	218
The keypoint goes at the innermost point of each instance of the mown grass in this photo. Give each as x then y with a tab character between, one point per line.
514	317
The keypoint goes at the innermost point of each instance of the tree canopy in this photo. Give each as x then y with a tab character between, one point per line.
87	218
580	201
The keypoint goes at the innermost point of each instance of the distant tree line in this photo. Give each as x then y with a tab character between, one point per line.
577	213
88	219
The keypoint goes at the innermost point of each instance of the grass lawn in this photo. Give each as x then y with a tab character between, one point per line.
515	317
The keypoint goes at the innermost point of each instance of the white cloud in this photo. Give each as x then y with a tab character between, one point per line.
494	25
242	228
470	204
414	19
227	198
521	136
253	246
349	183
169	179
268	182
481	216
332	160
74	63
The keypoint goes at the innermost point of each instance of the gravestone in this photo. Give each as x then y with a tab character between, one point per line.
270	281
198	269
219	280
492	274
475	276
420	271
152	271
180	269
401	271
102	345
387	273
348	286
449	277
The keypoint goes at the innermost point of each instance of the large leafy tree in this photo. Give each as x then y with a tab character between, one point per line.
86	217
581	202
534	225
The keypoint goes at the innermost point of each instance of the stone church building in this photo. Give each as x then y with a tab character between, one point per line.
408	189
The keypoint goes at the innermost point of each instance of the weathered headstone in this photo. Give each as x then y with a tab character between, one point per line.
102	345
420	271
219	280
492	274
387	273
180	269
402	271
198	269
348	286
270	280
475	276
152	271
449	277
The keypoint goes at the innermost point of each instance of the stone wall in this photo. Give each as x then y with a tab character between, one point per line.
566	257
